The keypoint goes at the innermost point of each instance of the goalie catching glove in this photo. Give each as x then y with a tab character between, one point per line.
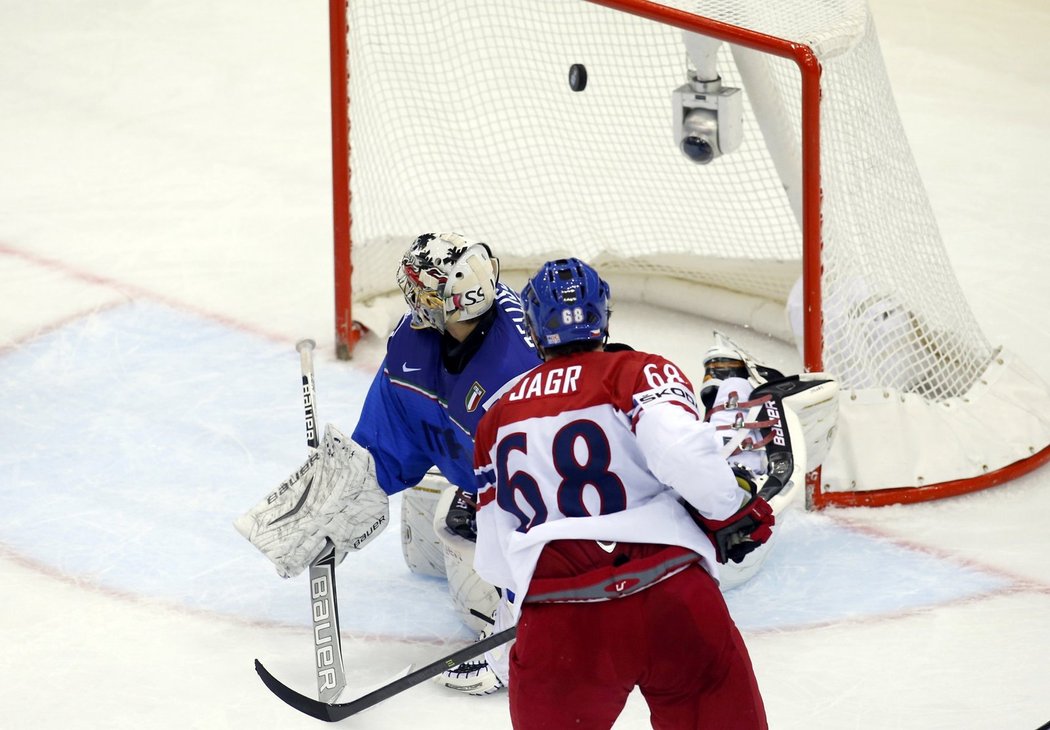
334	495
745	530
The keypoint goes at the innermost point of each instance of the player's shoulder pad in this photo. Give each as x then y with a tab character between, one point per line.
661	381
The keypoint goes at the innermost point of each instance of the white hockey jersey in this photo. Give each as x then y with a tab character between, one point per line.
598	445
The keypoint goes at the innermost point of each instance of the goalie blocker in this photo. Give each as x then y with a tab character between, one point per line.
333	496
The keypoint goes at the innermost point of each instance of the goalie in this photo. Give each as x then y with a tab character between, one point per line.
461	340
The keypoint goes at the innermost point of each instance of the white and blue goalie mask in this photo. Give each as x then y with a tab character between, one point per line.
447	278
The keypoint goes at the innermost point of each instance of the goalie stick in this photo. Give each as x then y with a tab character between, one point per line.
333	712
328	646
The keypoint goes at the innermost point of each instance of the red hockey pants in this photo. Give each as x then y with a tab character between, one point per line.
574	664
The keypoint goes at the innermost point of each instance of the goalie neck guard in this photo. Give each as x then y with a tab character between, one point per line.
447	278
566	301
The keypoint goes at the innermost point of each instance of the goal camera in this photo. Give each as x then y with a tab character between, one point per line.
708	119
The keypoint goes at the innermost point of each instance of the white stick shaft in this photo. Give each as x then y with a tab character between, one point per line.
306	362
328	649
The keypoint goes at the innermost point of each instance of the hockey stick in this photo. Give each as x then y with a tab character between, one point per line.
328	646
332	712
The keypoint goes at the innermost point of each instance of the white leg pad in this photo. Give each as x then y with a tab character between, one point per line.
469	592
424	553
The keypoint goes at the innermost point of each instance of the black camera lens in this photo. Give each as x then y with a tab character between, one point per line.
698	150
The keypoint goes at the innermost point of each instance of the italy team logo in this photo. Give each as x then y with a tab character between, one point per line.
474	396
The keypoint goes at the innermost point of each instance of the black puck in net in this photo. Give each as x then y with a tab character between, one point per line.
577	77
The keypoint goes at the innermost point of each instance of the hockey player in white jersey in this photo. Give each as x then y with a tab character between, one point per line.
605	509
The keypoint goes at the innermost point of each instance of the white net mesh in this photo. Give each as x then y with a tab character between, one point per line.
462	118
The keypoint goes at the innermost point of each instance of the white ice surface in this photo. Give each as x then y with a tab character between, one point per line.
164	241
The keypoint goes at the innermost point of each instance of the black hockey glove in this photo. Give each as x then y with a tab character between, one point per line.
462	516
744	530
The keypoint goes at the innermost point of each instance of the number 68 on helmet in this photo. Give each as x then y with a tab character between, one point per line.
566	301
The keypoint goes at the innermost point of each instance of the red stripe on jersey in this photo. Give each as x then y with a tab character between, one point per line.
485	496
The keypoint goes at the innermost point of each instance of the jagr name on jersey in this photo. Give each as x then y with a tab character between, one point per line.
551	382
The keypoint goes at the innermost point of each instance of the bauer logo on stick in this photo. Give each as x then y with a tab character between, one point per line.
308	407
324	644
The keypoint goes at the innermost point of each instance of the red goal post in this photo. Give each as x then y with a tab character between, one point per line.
458	115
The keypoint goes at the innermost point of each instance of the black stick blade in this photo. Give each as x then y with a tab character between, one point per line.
340	711
289	696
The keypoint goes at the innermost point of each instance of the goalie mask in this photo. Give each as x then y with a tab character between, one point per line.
447	278
566	301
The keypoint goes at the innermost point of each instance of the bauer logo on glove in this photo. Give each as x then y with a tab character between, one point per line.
290	482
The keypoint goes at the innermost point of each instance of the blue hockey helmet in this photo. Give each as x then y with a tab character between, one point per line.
566	301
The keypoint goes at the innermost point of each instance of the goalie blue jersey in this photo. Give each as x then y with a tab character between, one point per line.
418	415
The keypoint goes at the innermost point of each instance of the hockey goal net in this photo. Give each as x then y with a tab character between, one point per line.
464	115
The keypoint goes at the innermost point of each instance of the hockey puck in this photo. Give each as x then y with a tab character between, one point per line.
577	77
